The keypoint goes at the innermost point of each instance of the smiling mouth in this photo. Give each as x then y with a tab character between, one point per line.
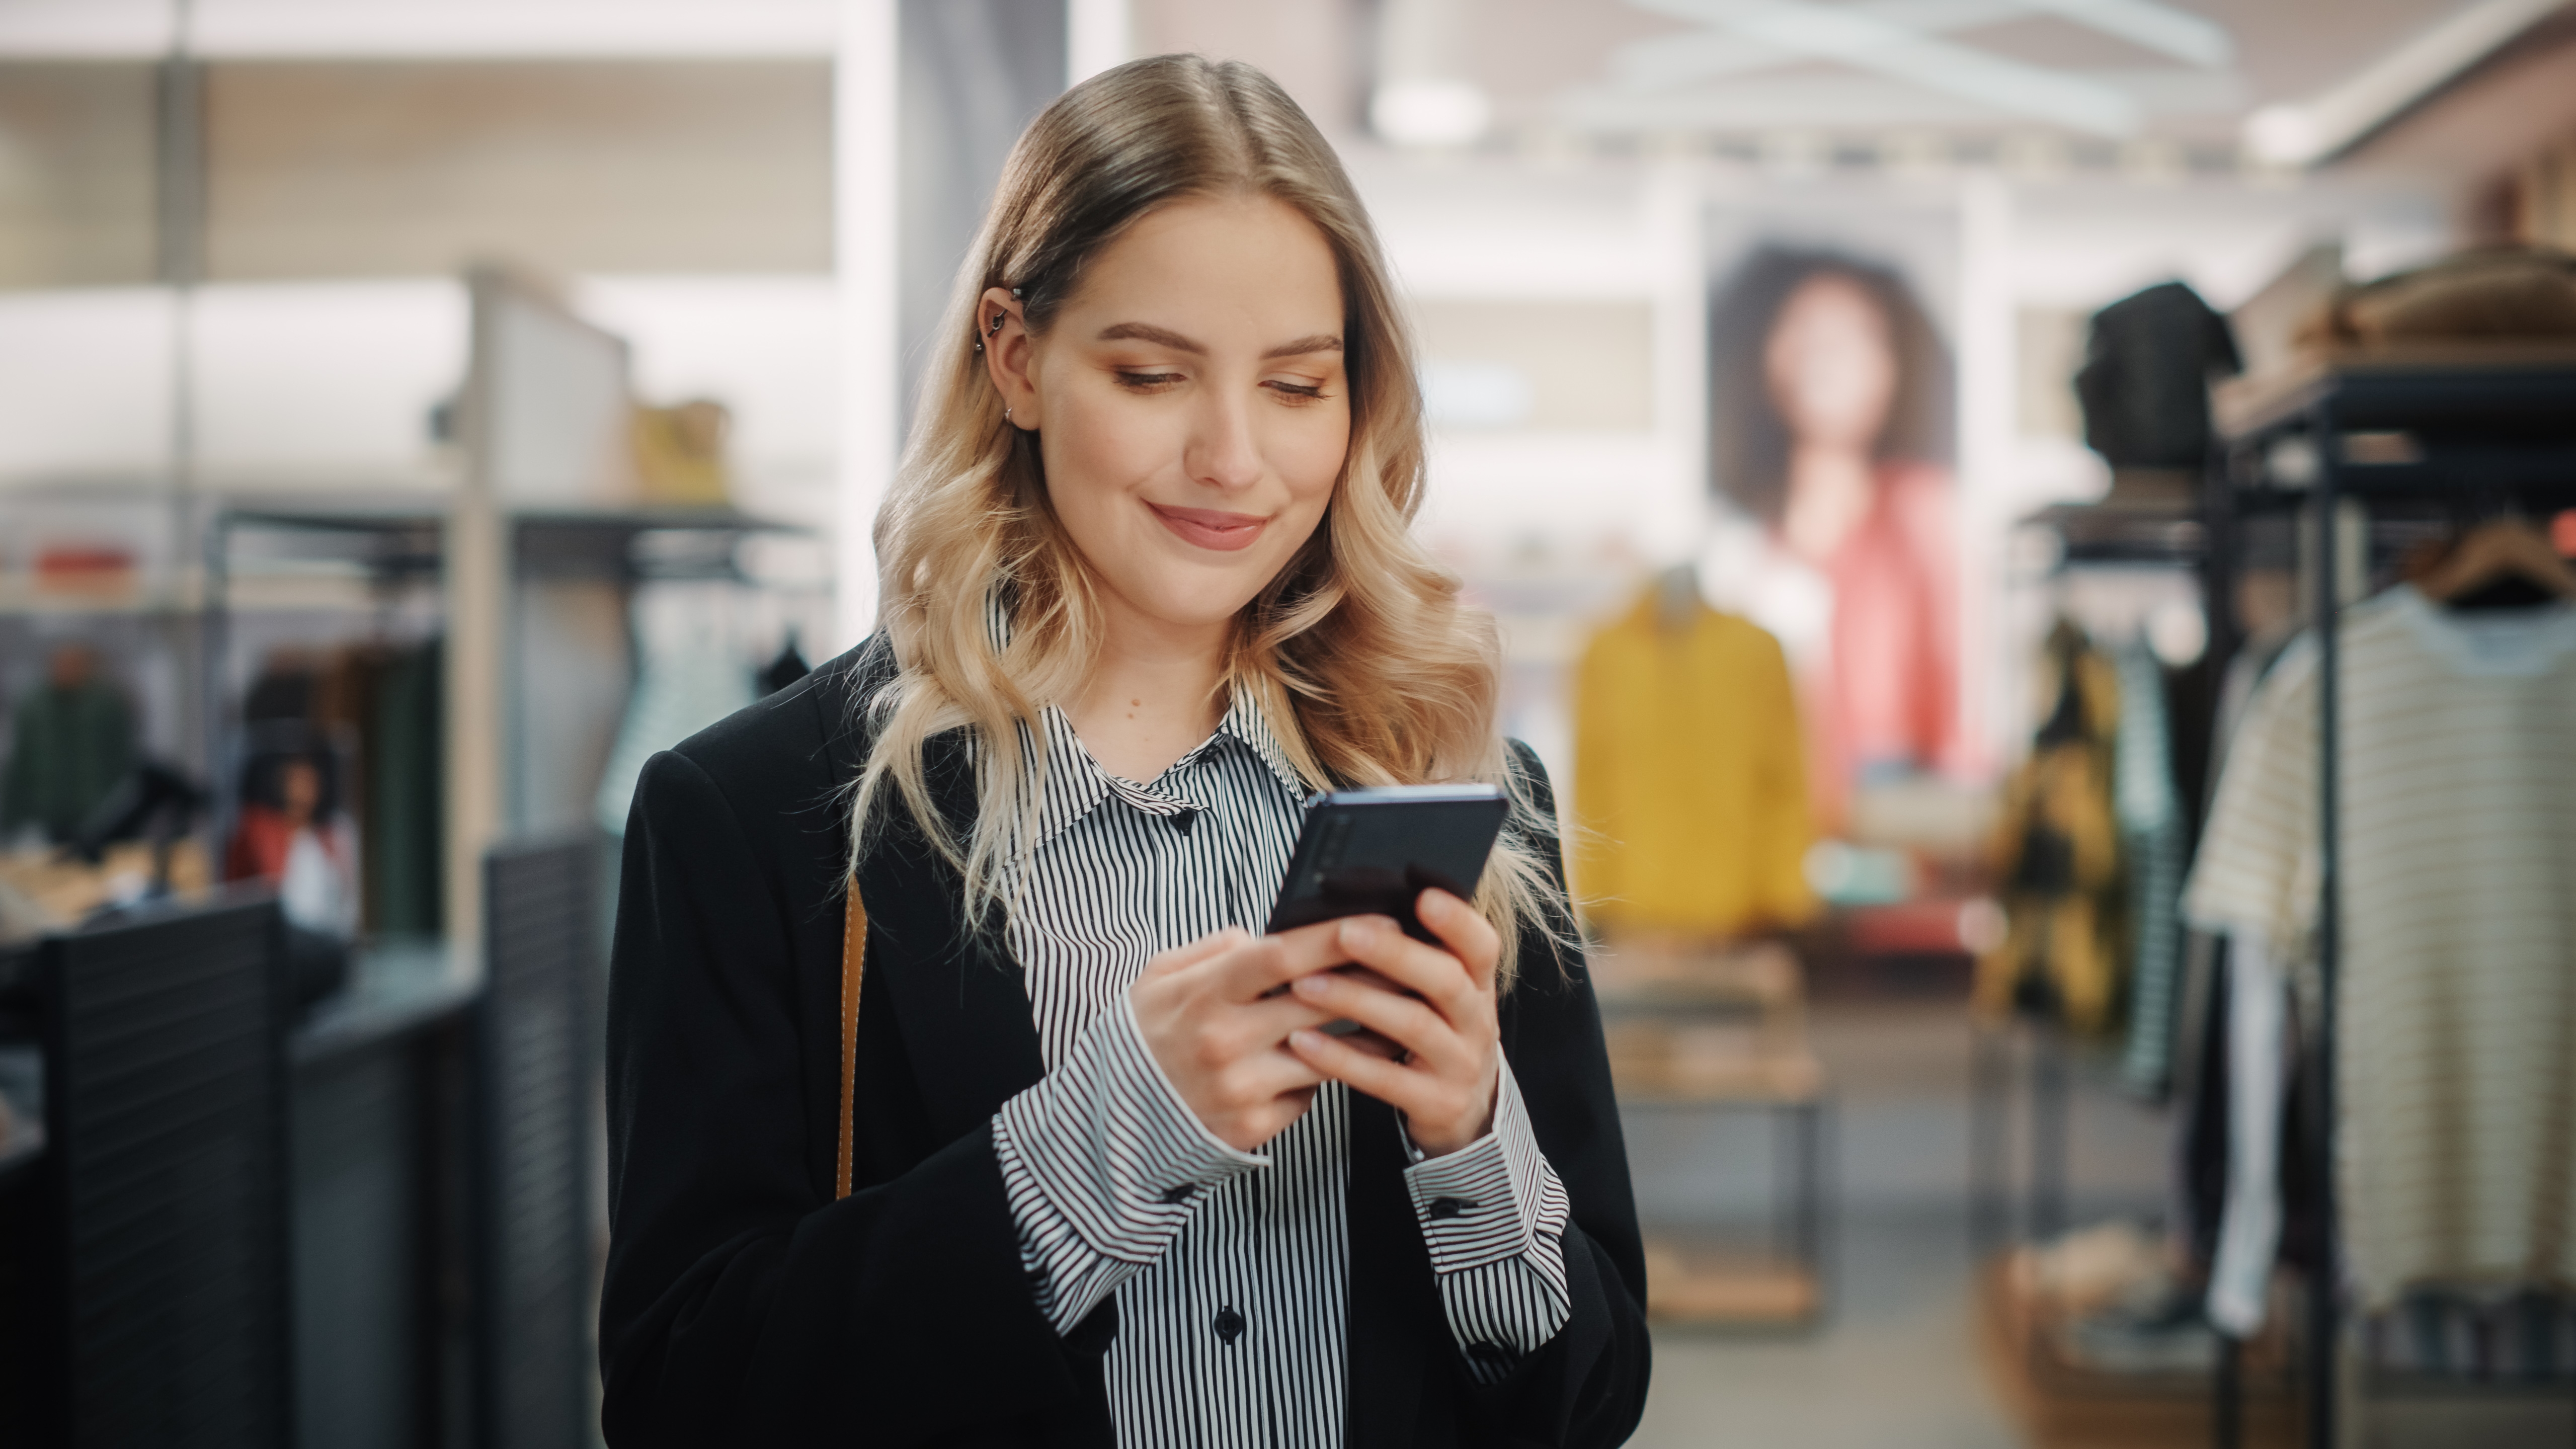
1209	528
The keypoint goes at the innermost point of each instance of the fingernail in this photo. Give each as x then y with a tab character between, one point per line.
1357	932
1312	985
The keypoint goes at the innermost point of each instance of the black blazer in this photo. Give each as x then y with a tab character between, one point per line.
743	1305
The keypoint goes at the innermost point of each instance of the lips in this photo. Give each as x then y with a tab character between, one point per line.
1209	528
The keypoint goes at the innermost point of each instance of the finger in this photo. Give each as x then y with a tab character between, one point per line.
1275	1072
1363	1039
1405	1088
1270	1019
1271	962
1205	948
1402	1019
1464	929
1440	978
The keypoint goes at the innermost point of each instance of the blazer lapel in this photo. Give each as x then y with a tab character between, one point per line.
958	999
1391	1292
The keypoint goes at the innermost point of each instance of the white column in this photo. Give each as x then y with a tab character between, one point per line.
1098	34
1987	366
1674	216
864	186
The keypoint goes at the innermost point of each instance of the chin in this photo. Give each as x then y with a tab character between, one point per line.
1200	611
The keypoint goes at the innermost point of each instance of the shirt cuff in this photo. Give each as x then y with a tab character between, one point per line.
1103	1165
1493	1200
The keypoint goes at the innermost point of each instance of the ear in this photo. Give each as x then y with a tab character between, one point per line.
1008	354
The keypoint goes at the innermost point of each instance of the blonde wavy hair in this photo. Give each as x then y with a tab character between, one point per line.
1359	654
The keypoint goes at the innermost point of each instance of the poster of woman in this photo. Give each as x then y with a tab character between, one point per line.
1830	445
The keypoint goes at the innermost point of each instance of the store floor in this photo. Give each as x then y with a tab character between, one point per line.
1895	1361
1895	1365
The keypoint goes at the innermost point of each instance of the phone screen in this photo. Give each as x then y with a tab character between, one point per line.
1374	852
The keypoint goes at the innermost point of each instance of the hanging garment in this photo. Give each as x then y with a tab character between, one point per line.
2200	1036
2196	1169
1690	786
786	669
2057	853
72	746
2455	1069
2258	1068
406	796
2150	817
692	676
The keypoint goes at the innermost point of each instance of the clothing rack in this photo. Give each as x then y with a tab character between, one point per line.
390	543
2429	425
2085	535
2032	1060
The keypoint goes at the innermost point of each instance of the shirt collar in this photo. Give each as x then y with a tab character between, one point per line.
1245	721
1075	784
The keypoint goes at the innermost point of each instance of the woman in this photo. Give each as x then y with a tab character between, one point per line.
1147	584
1832	404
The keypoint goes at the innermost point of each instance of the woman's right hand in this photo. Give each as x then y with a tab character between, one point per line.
1210	1016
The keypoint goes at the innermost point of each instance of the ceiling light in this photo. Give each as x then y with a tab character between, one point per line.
2304	134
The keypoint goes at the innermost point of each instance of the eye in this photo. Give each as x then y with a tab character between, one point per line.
1295	393
1147	381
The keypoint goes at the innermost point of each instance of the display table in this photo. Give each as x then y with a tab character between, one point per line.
1695	1028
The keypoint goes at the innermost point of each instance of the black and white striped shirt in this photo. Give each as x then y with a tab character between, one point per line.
1230	1269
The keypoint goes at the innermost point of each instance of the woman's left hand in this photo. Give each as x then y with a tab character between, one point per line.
1445	1080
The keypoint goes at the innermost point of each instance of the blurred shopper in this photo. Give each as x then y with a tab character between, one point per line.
74	742
292	834
1086	1171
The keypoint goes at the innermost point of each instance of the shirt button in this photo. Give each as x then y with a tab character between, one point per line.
1178	1194
1183	820
1450	1207
1229	1325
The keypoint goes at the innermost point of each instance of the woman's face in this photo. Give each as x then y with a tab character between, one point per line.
1190	403
299	790
1831	364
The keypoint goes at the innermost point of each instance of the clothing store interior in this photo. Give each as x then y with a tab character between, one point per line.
2056	994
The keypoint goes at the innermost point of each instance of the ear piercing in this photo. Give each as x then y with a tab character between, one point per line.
1016	295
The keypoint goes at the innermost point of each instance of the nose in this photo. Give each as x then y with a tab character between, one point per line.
1221	452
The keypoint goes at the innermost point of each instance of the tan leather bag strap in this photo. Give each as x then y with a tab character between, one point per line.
854	967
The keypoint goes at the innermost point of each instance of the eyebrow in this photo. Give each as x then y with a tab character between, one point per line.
1147	332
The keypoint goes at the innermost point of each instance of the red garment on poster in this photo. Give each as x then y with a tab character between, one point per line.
1892	699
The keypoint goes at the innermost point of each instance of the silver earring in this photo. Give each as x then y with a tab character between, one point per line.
1006	415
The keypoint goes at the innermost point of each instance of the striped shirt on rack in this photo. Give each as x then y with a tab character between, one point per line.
1230	1269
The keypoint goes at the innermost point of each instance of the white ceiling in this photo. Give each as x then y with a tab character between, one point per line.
422	29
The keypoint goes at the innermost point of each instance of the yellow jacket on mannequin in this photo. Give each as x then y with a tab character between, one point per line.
1690	784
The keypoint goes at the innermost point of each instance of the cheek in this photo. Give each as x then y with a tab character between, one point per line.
1095	452
1309	458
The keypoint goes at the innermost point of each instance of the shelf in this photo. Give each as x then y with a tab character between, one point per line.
2490	390
2093	533
392	512
1651	1065
1712	1291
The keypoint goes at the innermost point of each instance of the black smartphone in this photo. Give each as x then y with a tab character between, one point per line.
1375	851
